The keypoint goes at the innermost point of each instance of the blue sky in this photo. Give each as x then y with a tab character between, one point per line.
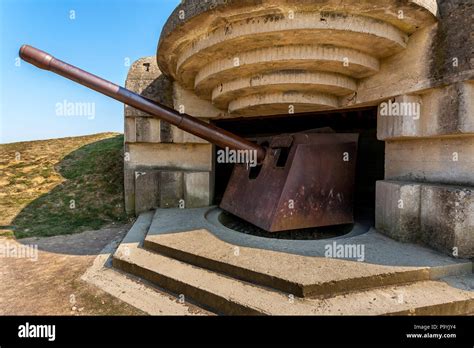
104	35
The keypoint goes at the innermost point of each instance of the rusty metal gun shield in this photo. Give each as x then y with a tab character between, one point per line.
306	180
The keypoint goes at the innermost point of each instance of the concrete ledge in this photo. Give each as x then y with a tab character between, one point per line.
310	58
232	297
306	28
188	102
301	276
443	112
282	81
196	157
439	160
279	103
197	18
201	237
404	125
147	190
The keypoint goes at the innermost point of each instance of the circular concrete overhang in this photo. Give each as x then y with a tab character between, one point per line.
263	57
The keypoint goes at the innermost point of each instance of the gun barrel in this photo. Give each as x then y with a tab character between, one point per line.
185	122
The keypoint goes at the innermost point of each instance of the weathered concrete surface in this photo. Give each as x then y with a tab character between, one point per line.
447	219
436	56
146	79
452	47
162	175
441	216
228	295
274	103
172	189
378	249
444	111
188	102
147	190
207	45
398	210
446	160
322	82
198	191
461	282
133	291
421	152
173	156
155	188
299	275
233	297
191	12
417	51
136	292
403	125
154	148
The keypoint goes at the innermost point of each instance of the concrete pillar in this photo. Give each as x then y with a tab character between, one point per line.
428	192
165	166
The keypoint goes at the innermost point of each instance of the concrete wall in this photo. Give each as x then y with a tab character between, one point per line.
428	192
164	166
429	170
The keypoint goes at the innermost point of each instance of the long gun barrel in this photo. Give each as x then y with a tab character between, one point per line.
185	122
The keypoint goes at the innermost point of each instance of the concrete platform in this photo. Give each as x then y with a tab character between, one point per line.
134	290
197	262
299	275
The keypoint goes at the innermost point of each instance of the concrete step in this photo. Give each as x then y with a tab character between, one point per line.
230	296
134	290
301	276
223	294
137	292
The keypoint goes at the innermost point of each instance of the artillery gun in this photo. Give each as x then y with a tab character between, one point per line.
299	180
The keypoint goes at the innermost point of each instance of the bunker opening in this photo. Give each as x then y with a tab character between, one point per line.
369	163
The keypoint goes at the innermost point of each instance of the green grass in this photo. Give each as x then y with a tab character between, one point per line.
89	194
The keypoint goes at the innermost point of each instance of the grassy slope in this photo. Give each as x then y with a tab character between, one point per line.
61	186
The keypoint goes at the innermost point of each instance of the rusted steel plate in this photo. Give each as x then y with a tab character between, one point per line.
313	188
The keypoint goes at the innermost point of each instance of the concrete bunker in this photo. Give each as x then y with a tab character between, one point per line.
245	60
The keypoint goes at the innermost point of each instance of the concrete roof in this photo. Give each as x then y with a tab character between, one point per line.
248	56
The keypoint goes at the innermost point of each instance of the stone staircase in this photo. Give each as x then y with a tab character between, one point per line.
229	279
